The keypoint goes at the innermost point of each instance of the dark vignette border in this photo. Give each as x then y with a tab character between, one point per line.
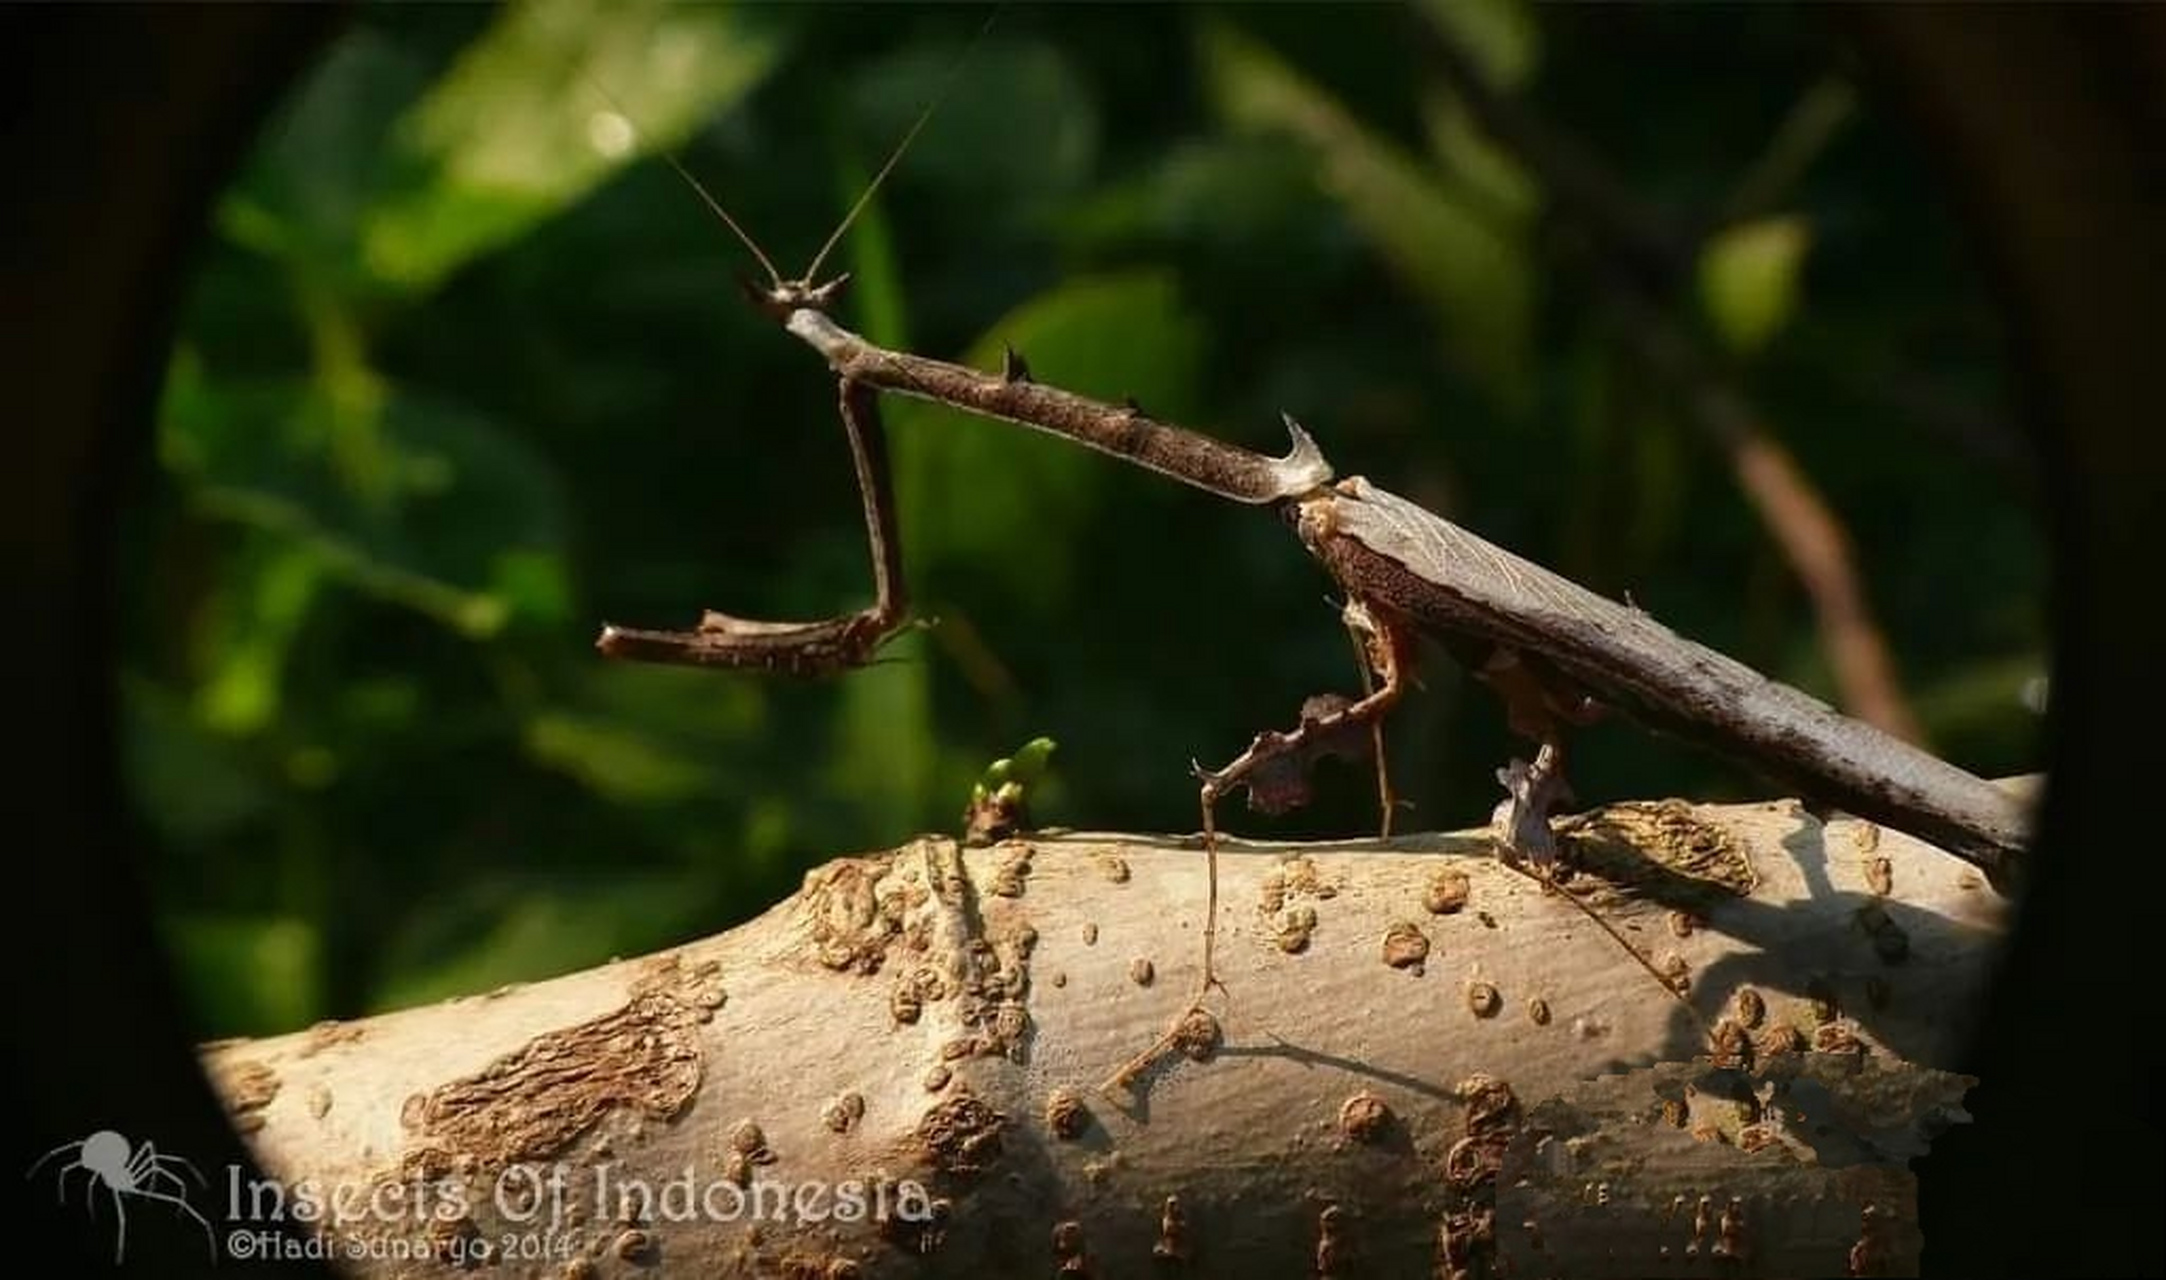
122	123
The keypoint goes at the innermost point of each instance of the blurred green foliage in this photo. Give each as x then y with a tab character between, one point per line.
465	373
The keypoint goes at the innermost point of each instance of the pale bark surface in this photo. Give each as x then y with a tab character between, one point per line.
948	1017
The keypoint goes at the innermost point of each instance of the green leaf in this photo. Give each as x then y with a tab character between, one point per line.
1986	712
1223	203
1749	279
644	735
323	160
1489	175
551	100
1016	133
496	931
1460	252
1501	36
1009	776
249	975
460	520
257	613
1503	40
886	751
193	787
1030	763
617	762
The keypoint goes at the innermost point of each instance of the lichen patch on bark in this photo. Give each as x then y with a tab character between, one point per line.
1010	876
1294	928
1639	846
1405	946
1365	1117
1447	892
1066	1115
532	1103
842	1114
246	1088
960	1134
1198	1036
1466	1231
329	1033
850	922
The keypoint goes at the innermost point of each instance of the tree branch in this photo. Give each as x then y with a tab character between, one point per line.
1402	1017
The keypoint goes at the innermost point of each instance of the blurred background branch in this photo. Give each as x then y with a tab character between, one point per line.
1624	234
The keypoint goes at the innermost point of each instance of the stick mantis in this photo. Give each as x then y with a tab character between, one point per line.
1558	654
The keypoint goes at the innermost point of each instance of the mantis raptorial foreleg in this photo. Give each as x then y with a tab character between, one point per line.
822	647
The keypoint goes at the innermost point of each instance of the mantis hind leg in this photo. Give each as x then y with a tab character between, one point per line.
1540	706
1387	800
1274	770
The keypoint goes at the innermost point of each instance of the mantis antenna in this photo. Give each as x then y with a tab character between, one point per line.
774	277
828	645
706	197
715	206
947	84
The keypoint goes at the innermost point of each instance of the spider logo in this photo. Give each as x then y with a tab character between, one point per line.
126	1173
